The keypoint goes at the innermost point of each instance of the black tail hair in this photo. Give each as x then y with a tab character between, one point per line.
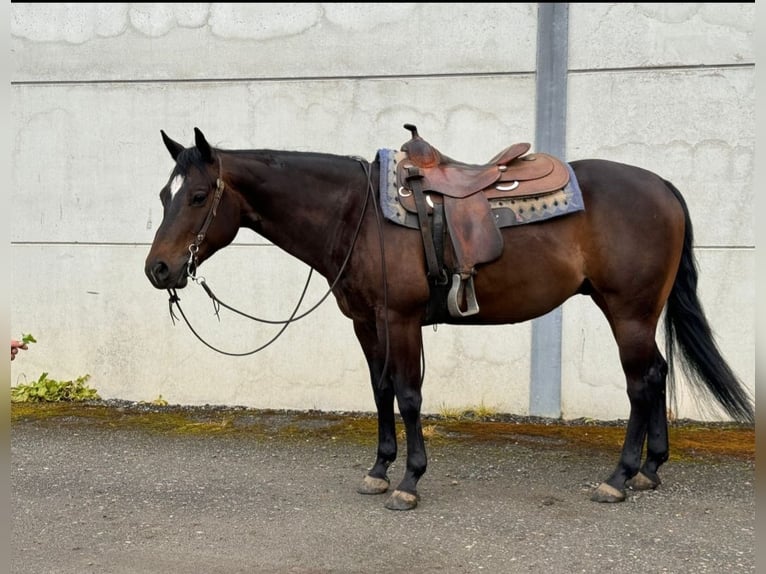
687	327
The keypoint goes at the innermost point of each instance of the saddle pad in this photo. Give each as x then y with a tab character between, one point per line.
508	212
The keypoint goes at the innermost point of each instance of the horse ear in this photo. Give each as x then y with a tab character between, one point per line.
174	148
203	146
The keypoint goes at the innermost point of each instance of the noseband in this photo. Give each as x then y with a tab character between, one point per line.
191	265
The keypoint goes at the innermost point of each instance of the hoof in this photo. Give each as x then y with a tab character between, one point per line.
400	500
643	482
372	485
606	493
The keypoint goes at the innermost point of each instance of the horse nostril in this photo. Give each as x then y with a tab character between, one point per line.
158	273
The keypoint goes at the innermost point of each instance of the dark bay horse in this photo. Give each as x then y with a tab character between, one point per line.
629	250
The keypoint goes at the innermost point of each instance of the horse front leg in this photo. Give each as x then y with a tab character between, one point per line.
393	357
376	480
406	346
406	497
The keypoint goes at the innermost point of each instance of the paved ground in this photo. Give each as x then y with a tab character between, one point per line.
112	491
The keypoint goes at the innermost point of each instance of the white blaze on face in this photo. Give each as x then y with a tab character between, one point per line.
175	185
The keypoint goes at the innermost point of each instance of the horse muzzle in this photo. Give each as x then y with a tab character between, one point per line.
163	277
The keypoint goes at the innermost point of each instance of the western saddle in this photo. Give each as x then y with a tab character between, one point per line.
440	189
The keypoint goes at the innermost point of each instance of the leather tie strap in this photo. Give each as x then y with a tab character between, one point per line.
414	180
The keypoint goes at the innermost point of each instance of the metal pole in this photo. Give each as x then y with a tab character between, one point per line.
550	137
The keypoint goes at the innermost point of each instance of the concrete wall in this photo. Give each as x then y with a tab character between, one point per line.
665	86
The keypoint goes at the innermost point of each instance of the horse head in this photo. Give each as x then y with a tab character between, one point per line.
199	215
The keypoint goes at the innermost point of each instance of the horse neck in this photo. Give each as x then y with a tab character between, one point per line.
308	204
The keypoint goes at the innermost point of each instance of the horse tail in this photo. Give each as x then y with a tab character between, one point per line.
687	328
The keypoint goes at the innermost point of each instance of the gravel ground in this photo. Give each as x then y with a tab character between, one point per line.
119	489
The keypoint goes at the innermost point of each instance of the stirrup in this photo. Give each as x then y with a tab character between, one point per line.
458	288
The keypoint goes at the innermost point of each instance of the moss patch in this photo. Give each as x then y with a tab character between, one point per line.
688	440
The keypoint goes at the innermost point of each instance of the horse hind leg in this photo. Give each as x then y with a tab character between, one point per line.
645	372
657	443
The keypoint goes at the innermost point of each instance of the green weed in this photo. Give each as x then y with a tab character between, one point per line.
27	338
45	389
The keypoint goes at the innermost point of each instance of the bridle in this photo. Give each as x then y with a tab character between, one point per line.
191	265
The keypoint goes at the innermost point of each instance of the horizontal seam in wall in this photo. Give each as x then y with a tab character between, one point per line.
687	68
727	247
531	73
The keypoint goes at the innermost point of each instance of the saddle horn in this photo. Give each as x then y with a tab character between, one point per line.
412	129
419	150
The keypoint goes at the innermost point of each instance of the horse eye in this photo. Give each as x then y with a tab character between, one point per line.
199	198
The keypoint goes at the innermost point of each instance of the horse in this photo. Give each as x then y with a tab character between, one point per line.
630	249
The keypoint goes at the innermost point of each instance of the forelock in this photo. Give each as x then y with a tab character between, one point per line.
188	158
